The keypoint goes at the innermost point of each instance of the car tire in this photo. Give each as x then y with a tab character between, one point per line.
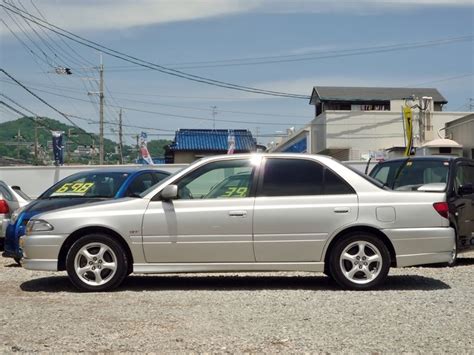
96	262
359	261
454	256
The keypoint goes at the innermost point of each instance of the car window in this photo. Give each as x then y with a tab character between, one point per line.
87	185
140	184
6	194
410	174
335	185
292	177
464	176
226	179
159	176
382	174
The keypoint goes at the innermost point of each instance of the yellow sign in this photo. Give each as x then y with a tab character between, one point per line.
236	192
74	188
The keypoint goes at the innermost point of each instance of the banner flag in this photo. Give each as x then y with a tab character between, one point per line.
58	148
231	142
408	120
144	149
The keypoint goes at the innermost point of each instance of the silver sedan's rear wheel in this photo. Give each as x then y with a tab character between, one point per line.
96	262
359	261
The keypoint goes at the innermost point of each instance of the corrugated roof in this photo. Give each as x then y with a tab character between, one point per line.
338	93
212	140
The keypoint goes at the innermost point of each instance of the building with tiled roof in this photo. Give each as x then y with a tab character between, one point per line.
192	144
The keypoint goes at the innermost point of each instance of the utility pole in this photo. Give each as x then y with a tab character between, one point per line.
36	140
214	113
18	138
101	112
138	147
120	137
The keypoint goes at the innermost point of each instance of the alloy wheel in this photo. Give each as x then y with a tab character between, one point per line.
360	262
95	264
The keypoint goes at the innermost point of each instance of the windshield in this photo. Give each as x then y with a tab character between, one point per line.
410	174
87	185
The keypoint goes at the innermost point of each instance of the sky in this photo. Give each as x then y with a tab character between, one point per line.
280	45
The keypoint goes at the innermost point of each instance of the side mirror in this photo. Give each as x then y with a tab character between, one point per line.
466	189
170	192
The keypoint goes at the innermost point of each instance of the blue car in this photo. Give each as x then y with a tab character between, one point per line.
84	187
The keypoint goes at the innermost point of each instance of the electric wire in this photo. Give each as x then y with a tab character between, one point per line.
144	63
42	100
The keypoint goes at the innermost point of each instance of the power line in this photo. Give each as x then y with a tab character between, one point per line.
53	46
78	55
43	101
39	122
167	114
310	57
144	63
270	114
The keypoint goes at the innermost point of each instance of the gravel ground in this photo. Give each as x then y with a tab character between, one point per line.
420	309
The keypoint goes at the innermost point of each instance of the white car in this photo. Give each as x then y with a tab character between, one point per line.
11	198
263	212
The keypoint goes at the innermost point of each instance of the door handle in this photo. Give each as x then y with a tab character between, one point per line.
238	213
341	210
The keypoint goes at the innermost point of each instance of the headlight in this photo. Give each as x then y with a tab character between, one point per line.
38	225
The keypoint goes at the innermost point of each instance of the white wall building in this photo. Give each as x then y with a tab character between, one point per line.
351	122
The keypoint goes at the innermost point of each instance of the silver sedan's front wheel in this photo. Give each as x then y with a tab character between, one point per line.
359	261
96	262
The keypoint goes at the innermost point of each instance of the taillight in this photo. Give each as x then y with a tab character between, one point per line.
442	208
4	207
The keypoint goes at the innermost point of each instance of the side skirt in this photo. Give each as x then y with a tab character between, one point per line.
156	268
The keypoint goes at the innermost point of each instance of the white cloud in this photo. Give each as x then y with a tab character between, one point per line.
122	14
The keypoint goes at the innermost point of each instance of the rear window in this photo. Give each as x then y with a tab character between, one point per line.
410	174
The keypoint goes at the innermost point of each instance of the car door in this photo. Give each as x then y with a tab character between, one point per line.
210	221
464	203
299	204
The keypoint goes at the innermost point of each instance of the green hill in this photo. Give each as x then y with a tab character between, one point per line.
23	147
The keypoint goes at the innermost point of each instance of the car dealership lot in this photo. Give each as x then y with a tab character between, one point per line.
418	309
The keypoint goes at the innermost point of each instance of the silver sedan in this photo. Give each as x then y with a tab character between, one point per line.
11	199
264	212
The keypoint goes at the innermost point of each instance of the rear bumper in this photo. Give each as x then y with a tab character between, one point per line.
3	226
417	246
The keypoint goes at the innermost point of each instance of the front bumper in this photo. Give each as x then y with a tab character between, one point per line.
417	246
41	252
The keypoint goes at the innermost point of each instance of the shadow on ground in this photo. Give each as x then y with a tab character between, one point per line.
460	262
233	282
12	265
